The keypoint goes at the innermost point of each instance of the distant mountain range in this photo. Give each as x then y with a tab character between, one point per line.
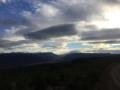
15	60
10	60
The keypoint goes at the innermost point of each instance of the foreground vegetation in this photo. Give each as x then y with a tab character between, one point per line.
70	75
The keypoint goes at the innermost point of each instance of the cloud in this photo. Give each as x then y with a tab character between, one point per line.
113	2
54	44
47	10
54	12
103	34
51	24
8	44
4	1
13	39
34	47
106	42
11	34
51	13
53	32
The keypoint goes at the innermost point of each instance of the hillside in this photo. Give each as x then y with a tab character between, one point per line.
82	72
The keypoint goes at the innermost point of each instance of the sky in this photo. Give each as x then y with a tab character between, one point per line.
60	26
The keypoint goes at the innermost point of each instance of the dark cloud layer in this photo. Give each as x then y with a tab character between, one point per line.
106	42
112	1
8	44
104	34
78	13
53	32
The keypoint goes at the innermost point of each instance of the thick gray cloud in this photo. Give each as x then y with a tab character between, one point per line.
81	11
4	43
104	34
109	51
106	42
8	44
111	1
53	32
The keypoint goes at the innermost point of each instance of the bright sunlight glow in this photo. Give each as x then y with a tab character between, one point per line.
111	18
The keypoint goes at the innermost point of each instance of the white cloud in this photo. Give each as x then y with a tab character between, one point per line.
60	12
47	10
11	34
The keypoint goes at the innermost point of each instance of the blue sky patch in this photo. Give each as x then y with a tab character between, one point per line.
77	46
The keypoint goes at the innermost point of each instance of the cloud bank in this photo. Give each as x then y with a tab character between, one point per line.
51	25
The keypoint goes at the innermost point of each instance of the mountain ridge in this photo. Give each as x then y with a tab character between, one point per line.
16	60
